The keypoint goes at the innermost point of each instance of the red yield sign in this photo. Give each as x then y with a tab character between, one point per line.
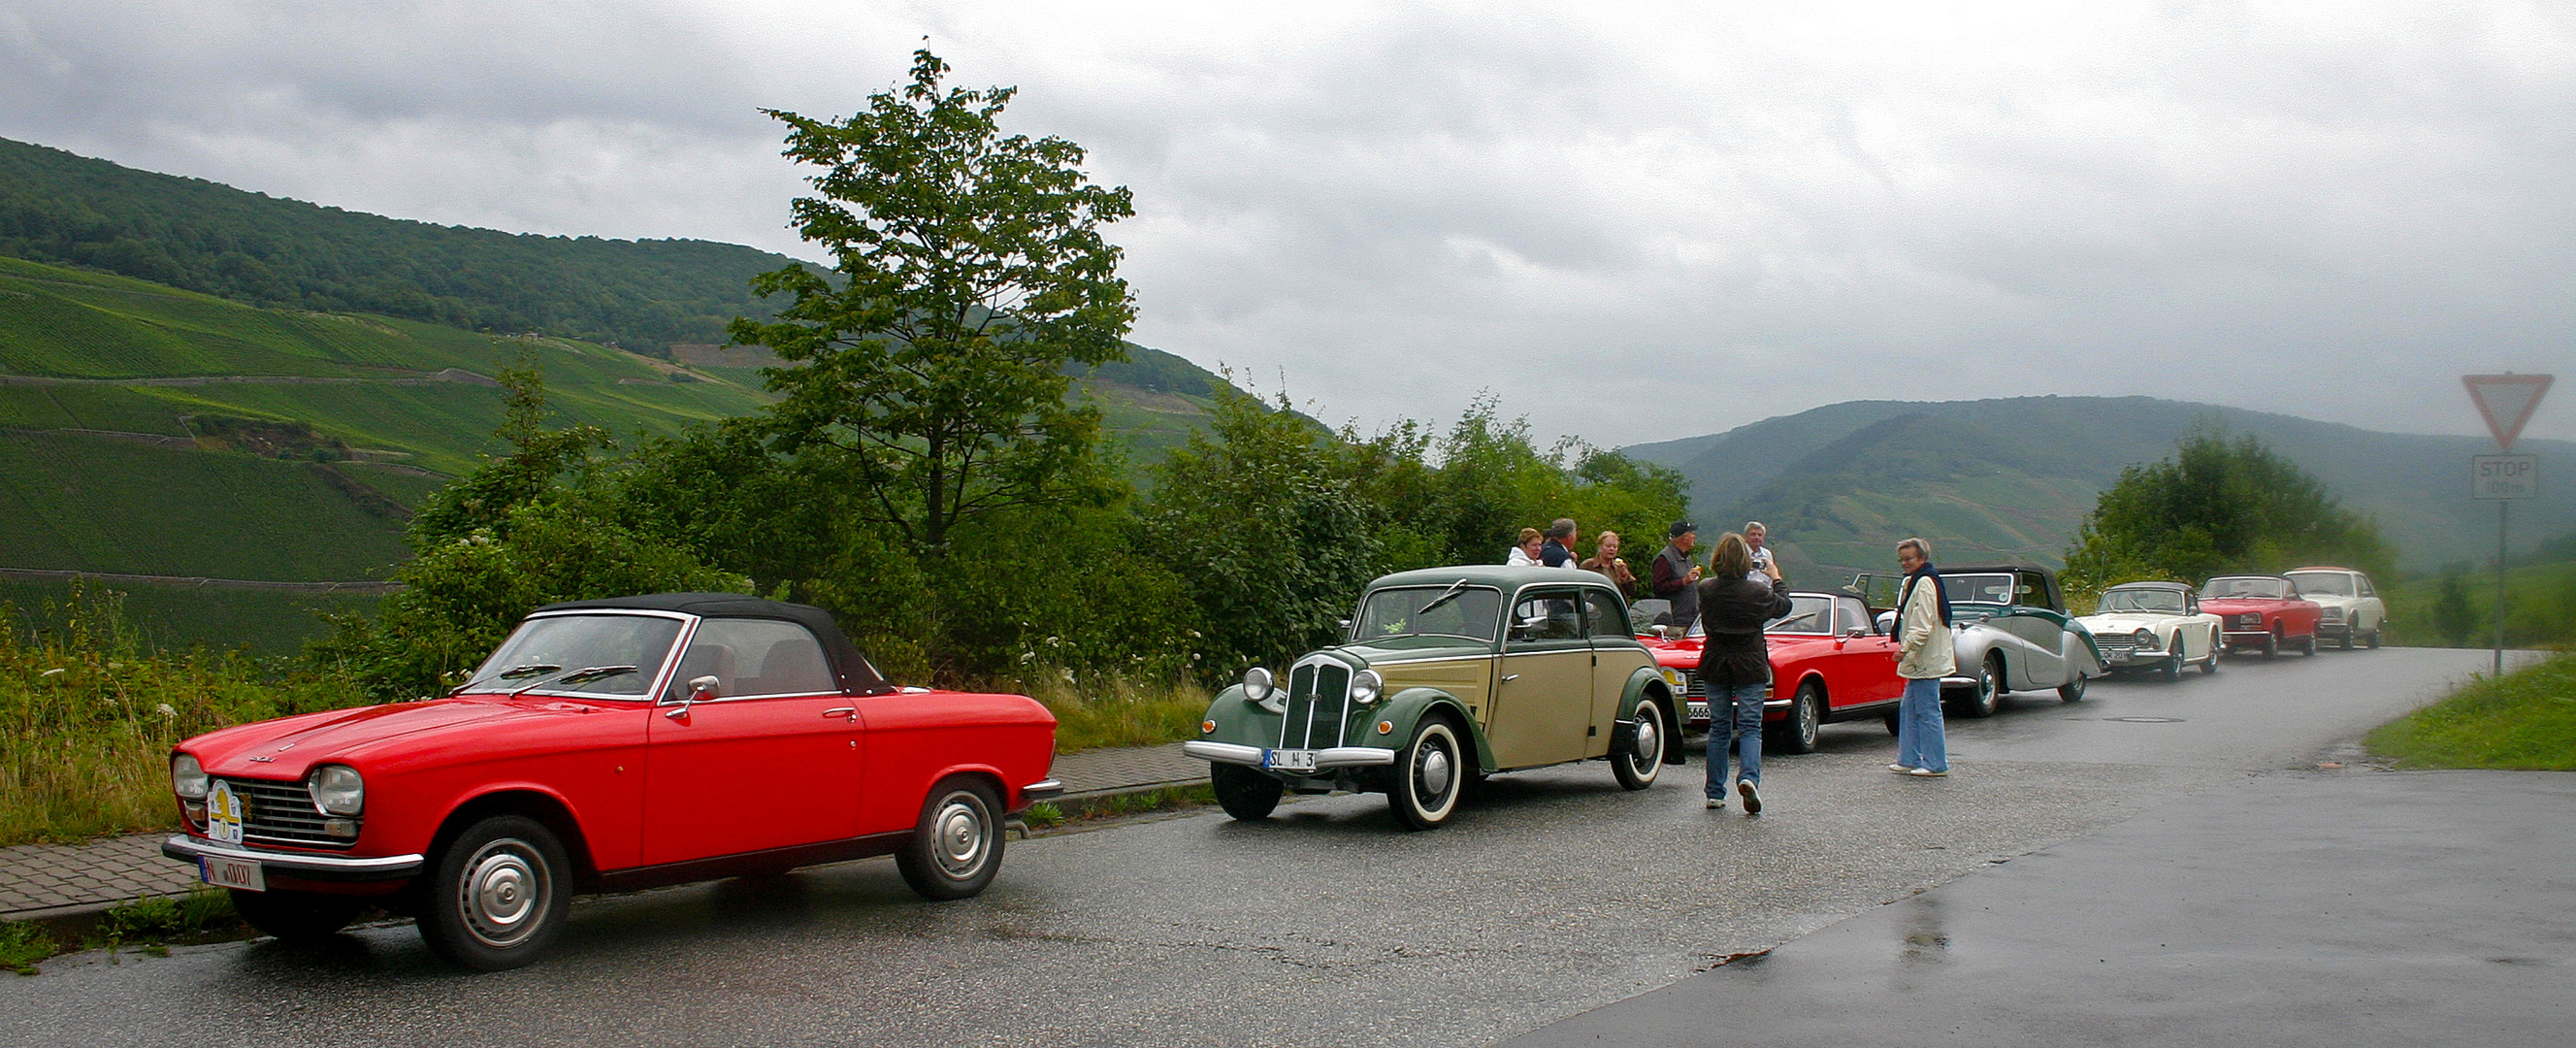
2506	402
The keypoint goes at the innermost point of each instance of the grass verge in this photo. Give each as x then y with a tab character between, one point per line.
1120	711
147	926
2524	721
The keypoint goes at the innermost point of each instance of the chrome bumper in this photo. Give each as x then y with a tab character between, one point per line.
300	864
1042	791
1334	757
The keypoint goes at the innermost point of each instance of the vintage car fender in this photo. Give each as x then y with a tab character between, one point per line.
1406	708
1648	680
1238	721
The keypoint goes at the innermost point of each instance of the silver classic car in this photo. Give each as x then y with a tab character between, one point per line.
1446	676
2010	630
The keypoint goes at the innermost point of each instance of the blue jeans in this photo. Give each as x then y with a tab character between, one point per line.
1919	742
1746	732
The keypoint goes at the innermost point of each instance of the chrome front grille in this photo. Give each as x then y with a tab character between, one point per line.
2115	648
2330	617
1319	706
283	813
2247	621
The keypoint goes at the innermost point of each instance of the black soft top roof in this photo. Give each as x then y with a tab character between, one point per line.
856	674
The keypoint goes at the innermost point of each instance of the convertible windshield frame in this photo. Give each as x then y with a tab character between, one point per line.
668	664
2249	587
2131	601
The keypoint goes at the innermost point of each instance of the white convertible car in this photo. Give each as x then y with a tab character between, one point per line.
2155	626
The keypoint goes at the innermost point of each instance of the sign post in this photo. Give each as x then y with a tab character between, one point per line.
2505	401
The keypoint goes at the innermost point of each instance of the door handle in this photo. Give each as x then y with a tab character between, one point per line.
1510	677
850	712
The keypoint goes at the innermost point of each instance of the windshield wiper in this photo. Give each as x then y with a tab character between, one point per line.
1445	597
579	676
508	674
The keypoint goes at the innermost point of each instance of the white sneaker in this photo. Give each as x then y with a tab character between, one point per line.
1752	796
1716	803
1928	773
1901	769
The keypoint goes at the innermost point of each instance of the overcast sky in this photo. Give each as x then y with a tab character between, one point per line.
1631	225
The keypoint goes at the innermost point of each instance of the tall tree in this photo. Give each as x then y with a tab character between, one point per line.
972	272
2218	505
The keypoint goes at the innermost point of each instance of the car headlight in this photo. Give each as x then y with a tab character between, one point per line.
1365	687
1256	685
188	778
2146	638
338	790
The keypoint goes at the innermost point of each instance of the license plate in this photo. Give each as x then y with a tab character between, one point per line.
1288	760
223	813
231	873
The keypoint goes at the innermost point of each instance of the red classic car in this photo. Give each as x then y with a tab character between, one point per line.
1826	653
607	745
2264	612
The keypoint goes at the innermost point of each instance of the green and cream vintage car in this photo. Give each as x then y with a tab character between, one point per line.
1436	686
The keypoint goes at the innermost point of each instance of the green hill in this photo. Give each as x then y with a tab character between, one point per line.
2011	479
250	247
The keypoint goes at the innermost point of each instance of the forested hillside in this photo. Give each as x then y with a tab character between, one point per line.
2011	479
202	236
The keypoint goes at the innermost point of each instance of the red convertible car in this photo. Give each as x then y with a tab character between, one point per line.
607	745
1826	653
2263	612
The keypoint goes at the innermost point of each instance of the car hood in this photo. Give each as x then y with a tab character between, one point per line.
2127	621
2223	605
288	747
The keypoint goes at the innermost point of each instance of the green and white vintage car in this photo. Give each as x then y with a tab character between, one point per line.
1436	687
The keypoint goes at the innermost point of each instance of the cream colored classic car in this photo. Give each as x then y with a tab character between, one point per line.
2156	626
2351	612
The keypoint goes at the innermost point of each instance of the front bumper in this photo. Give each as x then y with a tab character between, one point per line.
2128	657
1250	756
1696	710
301	865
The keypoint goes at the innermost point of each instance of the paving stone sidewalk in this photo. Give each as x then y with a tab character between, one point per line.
59	880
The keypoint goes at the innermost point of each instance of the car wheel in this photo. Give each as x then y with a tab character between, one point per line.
291	916
2173	666
1806	718
1244	793
2272	643
2345	640
1895	726
1429	772
957	847
2308	646
2374	639
500	894
2210	666
2073	690
1989	696
1636	768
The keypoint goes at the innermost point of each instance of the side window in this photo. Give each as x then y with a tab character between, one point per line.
1546	615
1847	617
1604	616
756	657
2365	586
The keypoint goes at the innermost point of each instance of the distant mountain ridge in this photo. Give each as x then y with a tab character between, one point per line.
2012	478
250	247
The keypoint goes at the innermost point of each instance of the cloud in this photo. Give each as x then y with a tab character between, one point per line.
1632	224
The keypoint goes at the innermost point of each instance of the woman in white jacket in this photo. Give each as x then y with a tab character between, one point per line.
1924	655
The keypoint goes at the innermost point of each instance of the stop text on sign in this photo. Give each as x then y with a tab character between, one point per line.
2504	476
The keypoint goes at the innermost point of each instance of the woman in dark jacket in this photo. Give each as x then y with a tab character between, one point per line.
1735	663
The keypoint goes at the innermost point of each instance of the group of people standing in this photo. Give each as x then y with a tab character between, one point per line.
1742	592
1730	601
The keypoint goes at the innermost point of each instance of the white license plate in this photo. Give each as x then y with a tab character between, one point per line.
1288	760
231	873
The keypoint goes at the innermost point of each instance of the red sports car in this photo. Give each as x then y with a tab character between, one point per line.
608	744
1826	653
2263	612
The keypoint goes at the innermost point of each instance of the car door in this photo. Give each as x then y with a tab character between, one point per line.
1616	656
1864	666
771	762
1542	707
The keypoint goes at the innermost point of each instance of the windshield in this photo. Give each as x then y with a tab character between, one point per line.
2330	583
1807	614
561	643
2246	586
1978	589
1471	612
2164	600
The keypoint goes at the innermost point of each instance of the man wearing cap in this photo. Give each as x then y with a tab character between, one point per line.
1674	577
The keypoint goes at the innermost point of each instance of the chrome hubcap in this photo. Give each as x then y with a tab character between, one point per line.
1650	741
1433	772
504	893
960	835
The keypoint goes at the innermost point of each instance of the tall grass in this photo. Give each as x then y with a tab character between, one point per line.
2524	720
1103	710
88	714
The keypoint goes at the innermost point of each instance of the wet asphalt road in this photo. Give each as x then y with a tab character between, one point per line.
1558	894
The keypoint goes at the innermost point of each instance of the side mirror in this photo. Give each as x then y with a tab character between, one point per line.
700	690
1886	622
1856	633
